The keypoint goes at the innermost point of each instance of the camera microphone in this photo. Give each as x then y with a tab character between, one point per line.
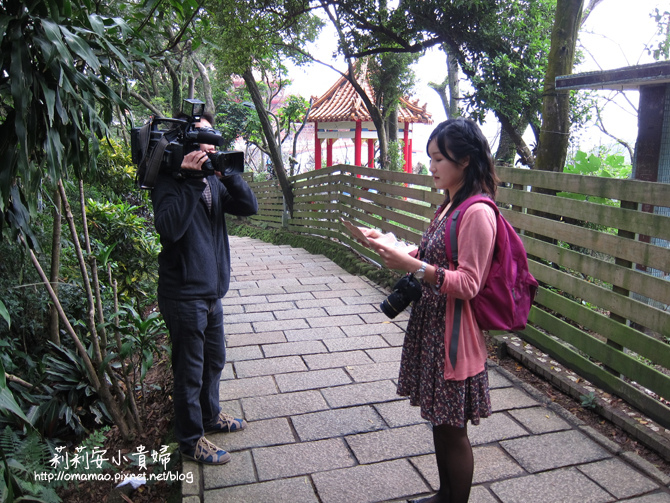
208	137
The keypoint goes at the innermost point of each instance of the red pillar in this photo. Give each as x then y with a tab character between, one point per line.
409	156
329	152
317	147
371	152
406	152
357	143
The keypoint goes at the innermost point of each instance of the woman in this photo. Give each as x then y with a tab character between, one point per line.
461	164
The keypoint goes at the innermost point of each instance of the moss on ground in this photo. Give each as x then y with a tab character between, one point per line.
337	252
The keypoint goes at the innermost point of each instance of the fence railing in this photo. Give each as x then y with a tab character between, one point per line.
598	247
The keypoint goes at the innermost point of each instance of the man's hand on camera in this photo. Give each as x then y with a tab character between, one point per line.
194	160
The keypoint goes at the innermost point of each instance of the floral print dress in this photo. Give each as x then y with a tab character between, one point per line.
423	355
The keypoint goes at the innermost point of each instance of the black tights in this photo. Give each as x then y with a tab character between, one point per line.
455	464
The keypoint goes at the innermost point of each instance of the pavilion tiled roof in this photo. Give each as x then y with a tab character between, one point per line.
342	103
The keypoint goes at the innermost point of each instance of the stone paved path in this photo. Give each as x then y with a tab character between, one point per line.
312	366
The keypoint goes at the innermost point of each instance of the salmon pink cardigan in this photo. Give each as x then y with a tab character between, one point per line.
476	239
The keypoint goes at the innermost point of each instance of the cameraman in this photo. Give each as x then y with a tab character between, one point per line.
193	276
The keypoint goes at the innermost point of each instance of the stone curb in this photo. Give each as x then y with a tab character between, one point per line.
655	442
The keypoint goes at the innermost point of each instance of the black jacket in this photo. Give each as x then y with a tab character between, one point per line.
194	262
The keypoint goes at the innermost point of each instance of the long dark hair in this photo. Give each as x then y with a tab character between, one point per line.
463	137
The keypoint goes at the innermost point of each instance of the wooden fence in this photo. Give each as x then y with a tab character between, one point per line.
596	247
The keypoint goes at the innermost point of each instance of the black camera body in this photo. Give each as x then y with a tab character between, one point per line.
161	144
405	291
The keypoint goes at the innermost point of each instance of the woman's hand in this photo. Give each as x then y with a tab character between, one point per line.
370	233
394	259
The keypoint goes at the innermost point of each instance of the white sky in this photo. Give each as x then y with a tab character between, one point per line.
613	37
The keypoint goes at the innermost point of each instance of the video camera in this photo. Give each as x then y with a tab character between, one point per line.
161	144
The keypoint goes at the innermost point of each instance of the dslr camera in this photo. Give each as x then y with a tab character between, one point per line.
405	291
161	144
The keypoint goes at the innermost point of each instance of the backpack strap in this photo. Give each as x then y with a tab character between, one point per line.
451	242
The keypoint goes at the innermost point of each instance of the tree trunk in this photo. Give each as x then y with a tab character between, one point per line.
176	88
449	89
506	149
392	125
206	85
270	138
555	132
453	83
54	332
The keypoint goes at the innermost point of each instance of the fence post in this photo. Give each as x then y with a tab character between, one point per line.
284	214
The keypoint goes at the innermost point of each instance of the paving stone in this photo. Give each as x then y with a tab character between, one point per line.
242	353
342	359
374	371
314	312
268	366
228	372
289	298
314	334
239	470
497	380
378	317
265	306
386	481
646	467
232	309
330	321
245	339
553	450
230	299
399	413
385	354
540	420
283	283
392	443
270	326
556	486
266	290
336	423
372	329
252	386
296	490
370	298
396	339
314	379
493	463
325	280
494	428
657	497
192	483
294	348
238	328
250	317
510	398
305	288
325	303
427	466
191	499
257	434
618	478
480	494
360	394
302	459
242	285
285	404
343	309
232	407
353	343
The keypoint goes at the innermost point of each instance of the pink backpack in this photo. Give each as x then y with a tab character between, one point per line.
505	298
